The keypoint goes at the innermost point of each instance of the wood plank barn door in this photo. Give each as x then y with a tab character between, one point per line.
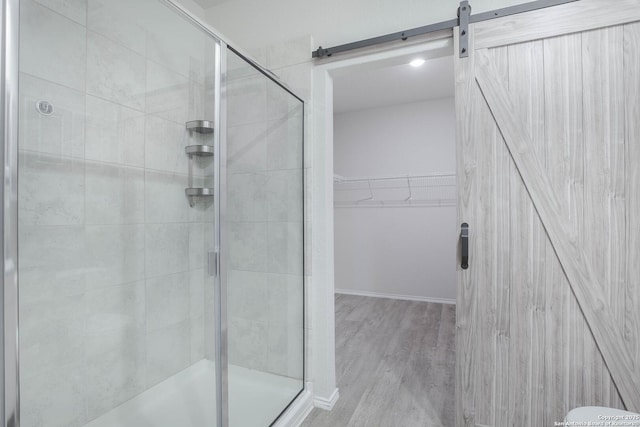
548	315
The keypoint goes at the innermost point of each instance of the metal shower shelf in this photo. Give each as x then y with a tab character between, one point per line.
431	190
200	126
199	150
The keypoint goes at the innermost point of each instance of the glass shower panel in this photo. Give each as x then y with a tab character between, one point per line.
265	274
116	305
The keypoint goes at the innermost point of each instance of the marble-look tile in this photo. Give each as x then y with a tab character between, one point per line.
114	369
61	133
198	279
115	73
247	100
284	144
164	145
119	20
285	248
176	44
52	261
286	320
281	103
289	52
115	254
53	399
285	350
277	354
115	308
200	243
197	338
51	333
167	300
247	196
167	249
114	194
284	196
247	148
297	78
248	343
238	68
172	96
165	200
248	246
168	352
52	47
114	133
286	317
285	299
248	295
51	190
72	9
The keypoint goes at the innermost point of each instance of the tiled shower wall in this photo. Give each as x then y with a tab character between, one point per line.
265	211
114	297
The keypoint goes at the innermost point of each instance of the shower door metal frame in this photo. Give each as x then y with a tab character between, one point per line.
222	347
9	72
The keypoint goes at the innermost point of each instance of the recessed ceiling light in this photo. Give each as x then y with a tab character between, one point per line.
417	62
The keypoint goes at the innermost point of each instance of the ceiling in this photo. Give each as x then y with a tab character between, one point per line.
392	84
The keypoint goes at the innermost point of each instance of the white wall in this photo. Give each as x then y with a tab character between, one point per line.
415	138
257	23
403	252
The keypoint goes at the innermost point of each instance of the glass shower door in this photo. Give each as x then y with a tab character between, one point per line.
264	266
116	303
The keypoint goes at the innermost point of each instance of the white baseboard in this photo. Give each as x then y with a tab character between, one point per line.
395	296
326	403
298	411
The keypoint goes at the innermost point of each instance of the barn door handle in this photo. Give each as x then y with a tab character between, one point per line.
464	245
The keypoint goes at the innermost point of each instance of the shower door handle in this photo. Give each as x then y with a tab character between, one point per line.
464	246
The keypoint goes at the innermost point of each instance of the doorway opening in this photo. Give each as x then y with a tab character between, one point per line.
393	128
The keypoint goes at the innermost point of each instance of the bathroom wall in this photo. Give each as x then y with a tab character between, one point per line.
402	252
112	258
265	223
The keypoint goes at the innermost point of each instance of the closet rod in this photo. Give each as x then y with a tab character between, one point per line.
444	25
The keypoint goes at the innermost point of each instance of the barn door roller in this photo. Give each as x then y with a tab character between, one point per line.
464	12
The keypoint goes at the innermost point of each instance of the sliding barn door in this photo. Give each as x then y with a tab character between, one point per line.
548	106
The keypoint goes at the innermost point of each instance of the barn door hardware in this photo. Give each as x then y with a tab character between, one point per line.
463	20
464	12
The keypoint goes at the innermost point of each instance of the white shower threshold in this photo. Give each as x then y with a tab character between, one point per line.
187	399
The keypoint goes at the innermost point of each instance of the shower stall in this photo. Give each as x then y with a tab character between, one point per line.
152	222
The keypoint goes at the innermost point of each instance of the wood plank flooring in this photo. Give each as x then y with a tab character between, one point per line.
395	363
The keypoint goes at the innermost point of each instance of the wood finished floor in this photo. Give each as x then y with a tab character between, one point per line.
394	364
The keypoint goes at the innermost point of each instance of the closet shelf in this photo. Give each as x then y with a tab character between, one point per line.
434	190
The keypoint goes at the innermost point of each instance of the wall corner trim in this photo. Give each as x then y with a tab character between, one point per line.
326	403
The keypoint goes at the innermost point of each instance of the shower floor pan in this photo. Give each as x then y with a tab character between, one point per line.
187	399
